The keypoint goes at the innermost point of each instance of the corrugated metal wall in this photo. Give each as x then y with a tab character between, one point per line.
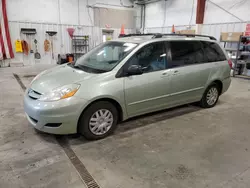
61	41
58	15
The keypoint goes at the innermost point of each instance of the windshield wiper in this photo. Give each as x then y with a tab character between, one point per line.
112	62
75	66
92	70
87	69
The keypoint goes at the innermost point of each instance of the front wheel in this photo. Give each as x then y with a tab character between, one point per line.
98	121
210	96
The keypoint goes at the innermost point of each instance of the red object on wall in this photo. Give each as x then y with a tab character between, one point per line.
247	32
107	26
71	31
6	50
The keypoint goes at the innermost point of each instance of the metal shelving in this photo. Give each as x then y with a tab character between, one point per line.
80	45
241	58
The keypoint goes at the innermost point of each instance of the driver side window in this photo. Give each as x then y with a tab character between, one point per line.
151	57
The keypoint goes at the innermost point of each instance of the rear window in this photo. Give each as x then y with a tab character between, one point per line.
213	52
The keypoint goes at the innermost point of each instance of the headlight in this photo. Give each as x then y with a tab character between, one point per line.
60	93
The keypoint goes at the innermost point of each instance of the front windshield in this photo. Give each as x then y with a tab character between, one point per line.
105	57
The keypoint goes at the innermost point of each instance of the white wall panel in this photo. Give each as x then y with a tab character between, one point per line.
48	10
178	12
33	10
239	8
69	11
216	20
43	15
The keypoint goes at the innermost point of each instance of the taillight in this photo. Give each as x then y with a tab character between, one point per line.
230	63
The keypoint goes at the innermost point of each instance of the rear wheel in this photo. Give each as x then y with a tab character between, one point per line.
98	121
210	96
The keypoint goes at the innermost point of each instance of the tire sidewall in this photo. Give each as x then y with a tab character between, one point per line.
83	126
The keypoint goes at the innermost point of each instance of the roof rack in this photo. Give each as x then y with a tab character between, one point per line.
136	35
160	35
185	35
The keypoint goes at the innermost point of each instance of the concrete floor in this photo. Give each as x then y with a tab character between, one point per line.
182	147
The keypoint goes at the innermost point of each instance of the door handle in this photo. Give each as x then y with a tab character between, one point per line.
176	72
164	73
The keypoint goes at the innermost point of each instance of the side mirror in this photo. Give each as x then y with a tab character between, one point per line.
134	70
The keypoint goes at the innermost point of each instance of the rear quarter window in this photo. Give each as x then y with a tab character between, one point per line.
185	53
213	52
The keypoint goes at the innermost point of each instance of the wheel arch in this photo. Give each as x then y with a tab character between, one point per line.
119	107
219	84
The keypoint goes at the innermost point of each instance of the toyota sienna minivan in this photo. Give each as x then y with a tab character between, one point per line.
127	77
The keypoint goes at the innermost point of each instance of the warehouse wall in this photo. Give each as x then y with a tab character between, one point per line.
216	20
167	13
56	15
239	8
183	12
51	10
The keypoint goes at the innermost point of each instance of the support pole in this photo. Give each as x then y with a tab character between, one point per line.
200	11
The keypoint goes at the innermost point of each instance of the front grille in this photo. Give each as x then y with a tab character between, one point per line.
33	98
37	92
53	124
33	119
34	94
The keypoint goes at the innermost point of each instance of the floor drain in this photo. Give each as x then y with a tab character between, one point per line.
20	82
79	166
29	76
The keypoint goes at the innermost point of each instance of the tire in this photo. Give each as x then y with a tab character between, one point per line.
204	102
93	127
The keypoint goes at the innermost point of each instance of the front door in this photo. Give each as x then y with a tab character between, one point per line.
189	71
148	92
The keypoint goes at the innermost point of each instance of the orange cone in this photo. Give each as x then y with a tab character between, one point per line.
122	33
173	29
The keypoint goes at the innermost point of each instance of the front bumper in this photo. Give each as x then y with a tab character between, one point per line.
65	113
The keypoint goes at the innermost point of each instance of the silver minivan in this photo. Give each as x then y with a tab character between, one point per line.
127	77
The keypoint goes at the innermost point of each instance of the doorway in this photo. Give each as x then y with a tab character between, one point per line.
107	35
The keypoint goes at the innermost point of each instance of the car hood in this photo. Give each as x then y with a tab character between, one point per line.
59	76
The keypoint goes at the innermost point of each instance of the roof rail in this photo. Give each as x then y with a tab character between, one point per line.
136	35
160	35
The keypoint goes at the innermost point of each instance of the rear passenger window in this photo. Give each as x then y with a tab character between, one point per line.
213	52
186	53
